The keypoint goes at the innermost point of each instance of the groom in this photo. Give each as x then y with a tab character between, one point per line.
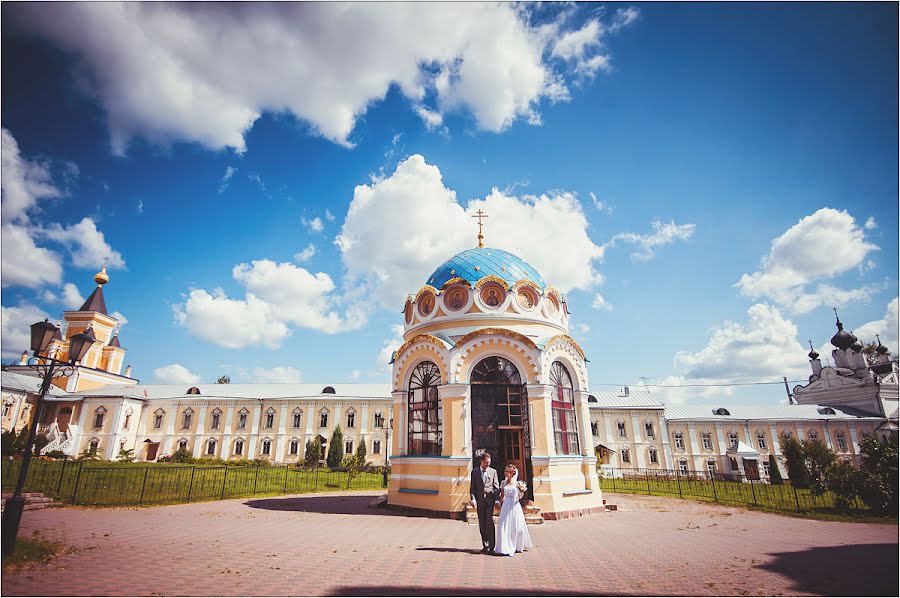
483	488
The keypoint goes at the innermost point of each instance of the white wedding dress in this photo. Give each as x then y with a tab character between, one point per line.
512	532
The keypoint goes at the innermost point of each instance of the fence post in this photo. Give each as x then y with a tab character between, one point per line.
255	480
753	490
796	498
316	488
647	474
285	479
678	479
712	476
77	481
614	480
191	486
224	478
143	486
62	473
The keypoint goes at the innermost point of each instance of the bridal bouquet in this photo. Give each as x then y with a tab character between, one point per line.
522	487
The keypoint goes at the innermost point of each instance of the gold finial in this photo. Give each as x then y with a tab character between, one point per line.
101	277
479	214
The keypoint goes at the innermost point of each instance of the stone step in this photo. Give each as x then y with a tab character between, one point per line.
33	501
532	514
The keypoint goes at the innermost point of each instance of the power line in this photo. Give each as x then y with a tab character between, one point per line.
697	385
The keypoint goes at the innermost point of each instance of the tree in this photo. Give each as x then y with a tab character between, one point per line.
40	441
125	455
878	474
842	479
8	441
313	451
818	458
335	448
795	461
774	473
223	379
361	451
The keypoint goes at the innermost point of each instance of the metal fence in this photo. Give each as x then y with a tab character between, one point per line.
87	483
732	488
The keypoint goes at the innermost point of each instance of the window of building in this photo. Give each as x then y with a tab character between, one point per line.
734	465
99	414
761	440
648	429
7	406
732	438
211	447
323	418
707	440
711	466
654	456
626	456
787	434
351	418
298	415
679	440
594	429
620	427
328	390
376	447
193	391
565	425
841	441
813	435
266	447
348	447
379	420
182	444
127	423
186	417
239	446
766	470
425	431
242	418
216	416
270	417
158	418
94	446
294	446
721	411
683	466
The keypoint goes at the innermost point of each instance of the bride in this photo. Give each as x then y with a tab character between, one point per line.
512	533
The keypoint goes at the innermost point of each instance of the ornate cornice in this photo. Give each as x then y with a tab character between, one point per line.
564	338
496	332
456	280
426	289
492	278
419	338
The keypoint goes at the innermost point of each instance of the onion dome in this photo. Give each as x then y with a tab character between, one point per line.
857	346
842	339
812	352
880	349
101	277
472	265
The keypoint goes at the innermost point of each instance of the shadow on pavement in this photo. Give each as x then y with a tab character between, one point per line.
331	505
851	570
456	591
449	549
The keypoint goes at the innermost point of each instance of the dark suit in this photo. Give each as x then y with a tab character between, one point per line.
485	495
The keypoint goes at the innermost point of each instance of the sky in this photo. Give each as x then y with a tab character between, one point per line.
267	183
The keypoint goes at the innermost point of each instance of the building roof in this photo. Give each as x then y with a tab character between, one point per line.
242	391
115	341
635	399
773	412
29	384
95	302
474	264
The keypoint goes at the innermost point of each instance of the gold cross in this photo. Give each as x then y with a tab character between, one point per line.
479	214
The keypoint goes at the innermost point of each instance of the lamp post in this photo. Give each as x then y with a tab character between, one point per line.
48	368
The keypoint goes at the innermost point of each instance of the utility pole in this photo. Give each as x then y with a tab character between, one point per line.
788	391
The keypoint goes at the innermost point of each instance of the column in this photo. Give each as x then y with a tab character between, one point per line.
226	438
696	457
364	420
667	463
638	441
254	431
198	435
539	398
282	430
113	435
399	417
828	436
454	401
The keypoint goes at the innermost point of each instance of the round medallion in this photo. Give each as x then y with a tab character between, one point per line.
553	305
492	294
408	313
455	298
525	298
425	303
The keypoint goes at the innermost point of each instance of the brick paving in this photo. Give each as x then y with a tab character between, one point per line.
335	545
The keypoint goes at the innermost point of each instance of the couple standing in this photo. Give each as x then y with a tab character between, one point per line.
511	535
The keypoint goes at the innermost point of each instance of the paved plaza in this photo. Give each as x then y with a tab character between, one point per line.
336	545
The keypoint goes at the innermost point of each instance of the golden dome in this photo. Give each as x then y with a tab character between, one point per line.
101	277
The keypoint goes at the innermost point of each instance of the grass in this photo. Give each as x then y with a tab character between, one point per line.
32	550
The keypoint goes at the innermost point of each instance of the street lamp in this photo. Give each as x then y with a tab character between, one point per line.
48	368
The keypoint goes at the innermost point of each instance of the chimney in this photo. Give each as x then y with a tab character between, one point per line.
128	371
626	391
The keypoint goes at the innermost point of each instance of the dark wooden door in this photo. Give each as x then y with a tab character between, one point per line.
751	469
152	449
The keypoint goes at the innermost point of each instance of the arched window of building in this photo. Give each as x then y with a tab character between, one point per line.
707	440
267	446
379	420
376	447
94	445
721	411
323	418
711	466
7	406
216	416
328	390
592	399
298	415
239	446
270	417
654	456
761	439
565	425
594	428
211	447
620	428
351	418
127	423
732	439
425	430
648	429
193	391
683	466
787	433
182	444
813	435
626	456
158	416
348	447
242	418
186	417
841	441
99	414
679	440
294	446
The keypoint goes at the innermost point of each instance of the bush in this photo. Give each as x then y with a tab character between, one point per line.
842	479
361	450
878	475
795	461
335	448
125	455
88	455
182	456
8	442
313	452
774	473
210	460
818	458
56	455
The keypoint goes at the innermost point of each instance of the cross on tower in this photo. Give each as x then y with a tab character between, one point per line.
479	214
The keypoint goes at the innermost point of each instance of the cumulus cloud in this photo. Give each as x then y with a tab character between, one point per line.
664	233
870	223
601	303
206	72
887	328
764	348
26	264
278	296
314	224
25	182
819	247
175	373
120	317
277	374
87	245
16	331
548	231
69	297
308	252
391	343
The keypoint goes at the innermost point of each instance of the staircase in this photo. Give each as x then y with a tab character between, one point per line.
532	514
33	501
59	440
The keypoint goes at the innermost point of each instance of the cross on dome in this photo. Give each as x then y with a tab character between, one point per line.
479	214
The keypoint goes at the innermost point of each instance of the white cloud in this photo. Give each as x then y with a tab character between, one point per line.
315	224
278	296
663	233
70	297
226	178
432	119
390	344
140	207
175	373
87	245
205	73
581	328
308	252
355	374
548	231
887	328
601	303
24	263
25	182
870	223
120	317
16	328
820	246
277	374
601	205
623	18
328	215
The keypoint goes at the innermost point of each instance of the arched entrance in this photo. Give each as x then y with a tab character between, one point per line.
500	417
63	417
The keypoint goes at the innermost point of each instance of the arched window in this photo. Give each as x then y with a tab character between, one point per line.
496	370
594	428
328	390
193	391
732	438
626	456
761	439
270	417
711	466
721	411
683	466
182	444
99	414
379	420
298	415
707	440
679	440
654	455
424	409
323	418
267	446
348	447
565	427
211	447
239	446
158	418
294	446
592	399
351	418
128	414
648	429
94	446
216	416
242	418
187	417
813	435
841	441
620	426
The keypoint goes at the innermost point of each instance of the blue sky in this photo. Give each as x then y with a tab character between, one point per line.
705	181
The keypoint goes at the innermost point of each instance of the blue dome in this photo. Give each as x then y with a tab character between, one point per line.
488	261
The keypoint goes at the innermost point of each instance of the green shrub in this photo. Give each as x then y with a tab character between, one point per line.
8	442
842	479
335	448
125	455
774	473
818	458
56	455
313	451
795	461
878	474
182	456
